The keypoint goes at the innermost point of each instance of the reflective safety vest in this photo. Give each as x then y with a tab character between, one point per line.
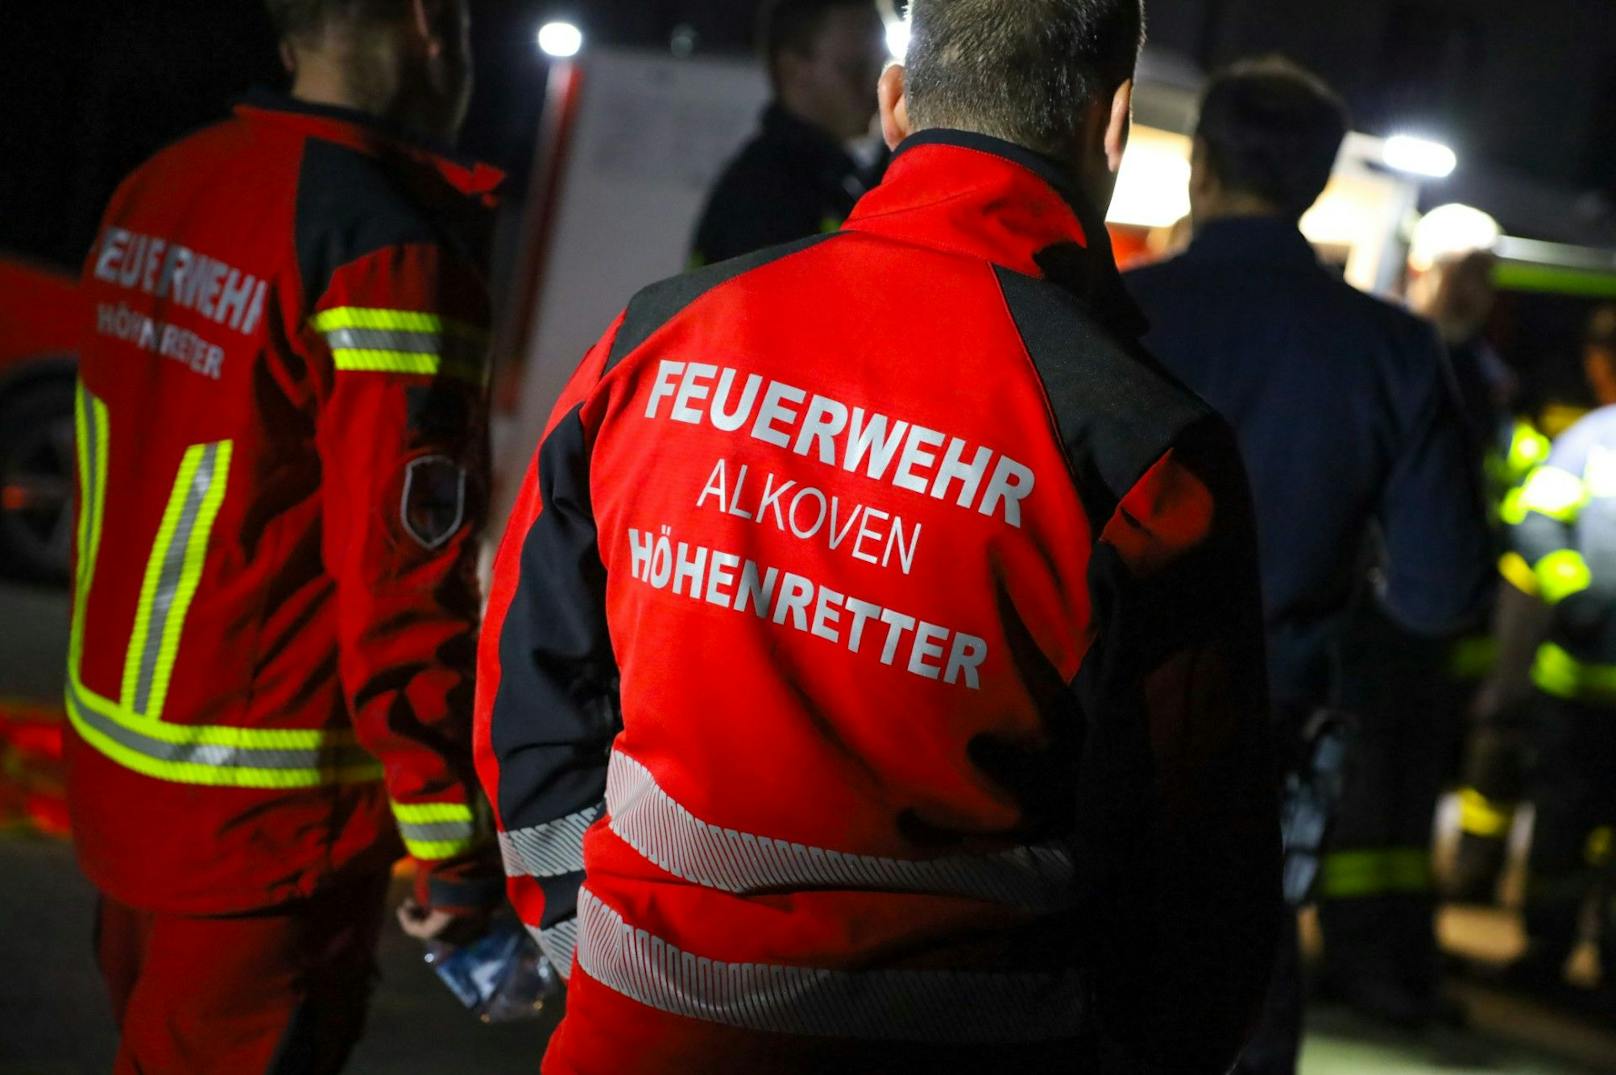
880	683
1565	552
282	470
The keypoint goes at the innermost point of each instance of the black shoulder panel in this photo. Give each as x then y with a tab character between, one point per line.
1116	409
660	303
347	207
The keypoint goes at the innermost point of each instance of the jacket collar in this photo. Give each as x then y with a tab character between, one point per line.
371	134
1265	240
986	198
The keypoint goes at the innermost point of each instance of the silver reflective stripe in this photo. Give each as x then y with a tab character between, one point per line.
648	819
217	755
90	501
549	850
437	831
558	944
954	1007
168	583
414	343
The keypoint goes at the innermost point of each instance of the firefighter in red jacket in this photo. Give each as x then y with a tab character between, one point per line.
283	471
873	674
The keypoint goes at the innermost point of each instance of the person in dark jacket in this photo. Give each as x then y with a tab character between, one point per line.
1345	411
797	178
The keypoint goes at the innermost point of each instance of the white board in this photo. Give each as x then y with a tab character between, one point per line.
651	134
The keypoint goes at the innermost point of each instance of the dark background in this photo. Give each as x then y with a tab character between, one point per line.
1523	88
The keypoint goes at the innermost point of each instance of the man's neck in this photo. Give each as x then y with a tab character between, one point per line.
1237	207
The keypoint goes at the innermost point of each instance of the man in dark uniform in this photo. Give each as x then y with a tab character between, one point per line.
797	177
1344	407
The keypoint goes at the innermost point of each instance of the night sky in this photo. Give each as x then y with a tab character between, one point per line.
92	87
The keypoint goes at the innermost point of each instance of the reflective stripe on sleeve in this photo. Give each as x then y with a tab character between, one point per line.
553	849
648	819
1518	573
1480	816
1562	573
368	340
1375	872
91	430
1558	673
435	831
558	943
1558	494
938	1006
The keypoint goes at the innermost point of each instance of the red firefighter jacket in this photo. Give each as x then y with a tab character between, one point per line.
873	669
282	462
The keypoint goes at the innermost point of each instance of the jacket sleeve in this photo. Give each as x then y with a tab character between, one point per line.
547	693
1432	513
402	437
1180	795
1544	560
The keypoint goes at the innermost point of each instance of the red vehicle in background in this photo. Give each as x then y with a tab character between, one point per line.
39	328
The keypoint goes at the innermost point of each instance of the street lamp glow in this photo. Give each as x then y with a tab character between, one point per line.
560	39
1419	156
898	38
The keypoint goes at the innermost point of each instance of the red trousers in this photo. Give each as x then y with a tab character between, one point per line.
279	992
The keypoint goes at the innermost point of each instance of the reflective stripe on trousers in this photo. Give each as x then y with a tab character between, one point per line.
936	1006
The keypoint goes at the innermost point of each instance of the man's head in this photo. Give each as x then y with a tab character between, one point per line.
1266	143
408	61
824	58
1599	355
1054	76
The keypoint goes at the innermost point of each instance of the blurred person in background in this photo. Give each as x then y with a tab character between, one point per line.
282	468
798	177
777	802
1556	628
1349	425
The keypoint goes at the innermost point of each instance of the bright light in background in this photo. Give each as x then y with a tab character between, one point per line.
898	38
1451	231
560	39
1419	156
1153	188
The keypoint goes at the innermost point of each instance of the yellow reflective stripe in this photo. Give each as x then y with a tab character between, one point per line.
173	571
1356	874
91	429
1480	816
1601	844
356	360
1527	447
1557	493
1518	573
1562	573
430	813
1472	657
360	317
436	830
1558	673
346	770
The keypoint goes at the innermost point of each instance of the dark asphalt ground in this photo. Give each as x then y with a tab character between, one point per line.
54	1019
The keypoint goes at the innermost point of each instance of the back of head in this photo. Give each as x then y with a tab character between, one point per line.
1272	131
1025	71
306	22
408	61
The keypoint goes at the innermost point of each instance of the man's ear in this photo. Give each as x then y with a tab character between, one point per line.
894	104
1119	125
288	58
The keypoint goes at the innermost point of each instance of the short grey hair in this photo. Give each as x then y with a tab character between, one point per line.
1021	70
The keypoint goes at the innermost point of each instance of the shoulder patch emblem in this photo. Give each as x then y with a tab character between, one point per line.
434	501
